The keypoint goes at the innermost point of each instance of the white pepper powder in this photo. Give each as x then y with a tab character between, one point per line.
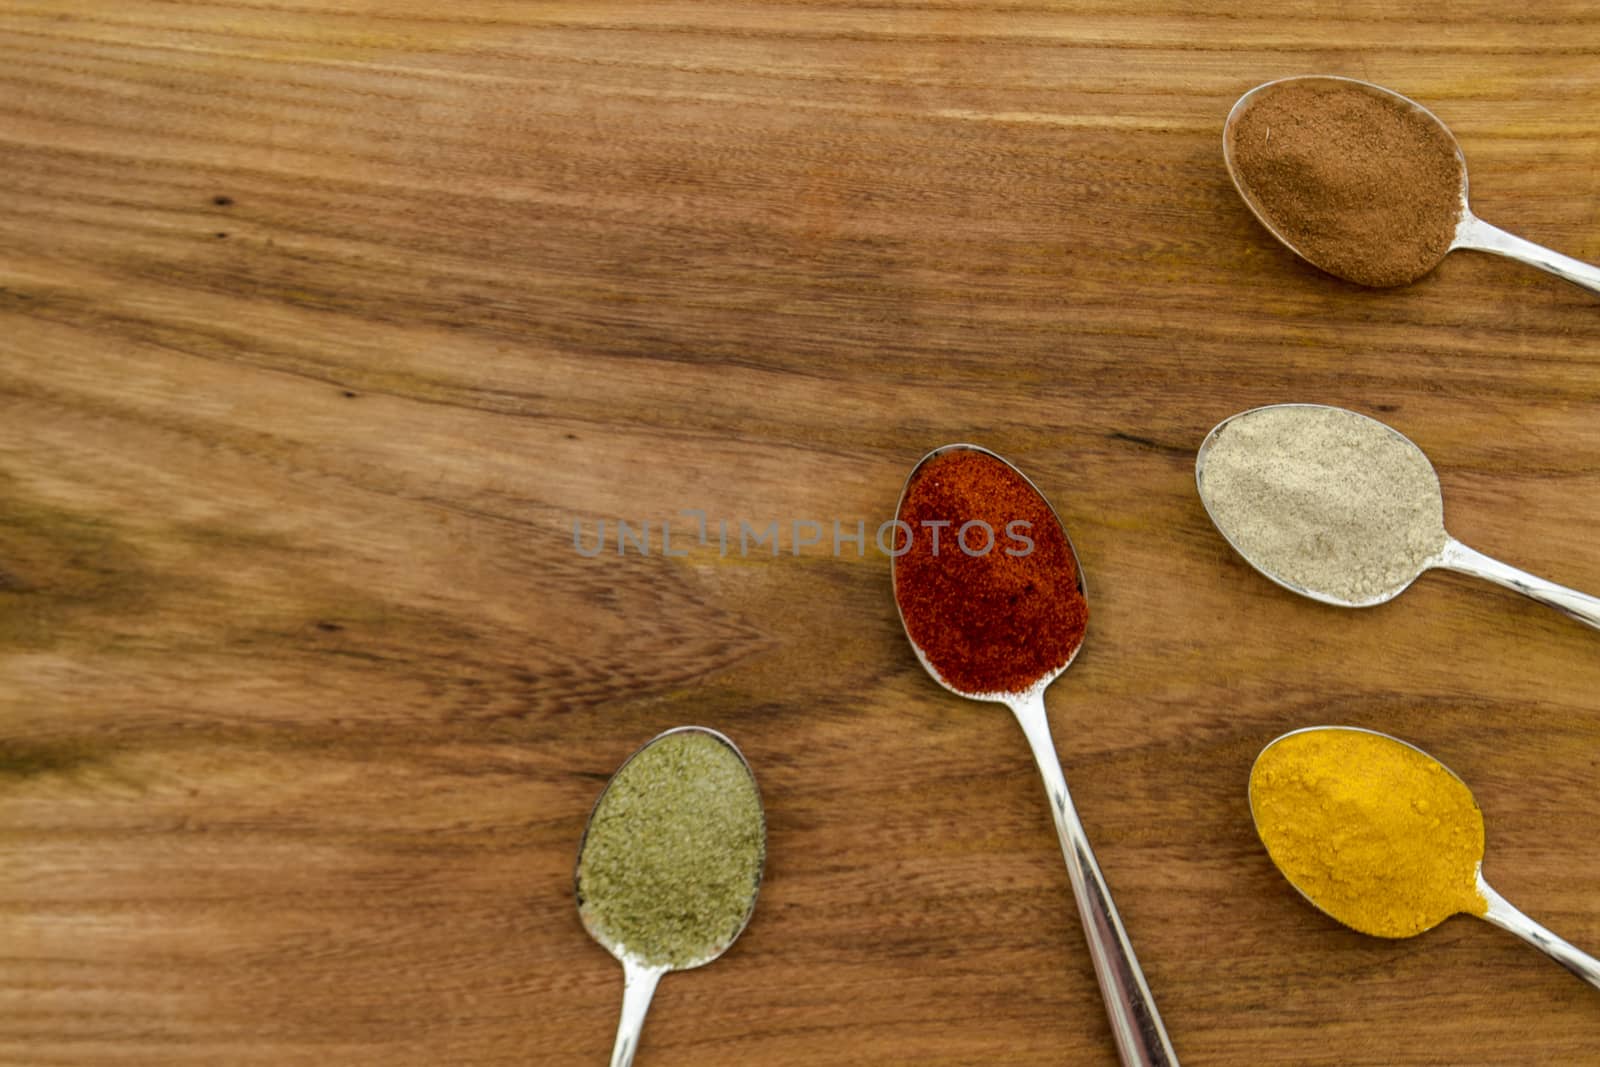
1325	499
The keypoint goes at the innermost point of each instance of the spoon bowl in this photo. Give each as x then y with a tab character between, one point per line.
1470	232
1140	1036
1044	680
1235	533
643	968
1453	877
1400	564
1391	806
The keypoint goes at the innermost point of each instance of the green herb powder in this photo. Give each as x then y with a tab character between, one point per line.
674	852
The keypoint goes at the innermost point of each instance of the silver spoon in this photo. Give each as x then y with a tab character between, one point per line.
1451	555
1497	909
1135	1023
1471	232
640	976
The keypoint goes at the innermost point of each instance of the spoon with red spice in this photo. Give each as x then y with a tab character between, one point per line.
991	596
1364	183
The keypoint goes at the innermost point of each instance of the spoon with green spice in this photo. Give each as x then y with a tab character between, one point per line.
1341	508
670	864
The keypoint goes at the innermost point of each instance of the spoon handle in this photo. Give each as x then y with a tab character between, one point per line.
1581	606
1473	232
1503	915
1135	1022
638	986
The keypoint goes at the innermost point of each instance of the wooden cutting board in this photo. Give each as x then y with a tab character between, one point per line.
323	324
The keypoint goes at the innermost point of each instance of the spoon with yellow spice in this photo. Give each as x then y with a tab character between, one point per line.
1382	837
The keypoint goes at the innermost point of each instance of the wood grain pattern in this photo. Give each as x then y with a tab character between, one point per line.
321	324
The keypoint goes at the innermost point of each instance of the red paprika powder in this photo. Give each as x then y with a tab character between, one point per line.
992	621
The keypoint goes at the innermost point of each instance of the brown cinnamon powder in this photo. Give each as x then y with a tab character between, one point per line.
1361	184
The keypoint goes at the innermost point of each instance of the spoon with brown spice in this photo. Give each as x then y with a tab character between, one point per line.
1364	183
670	864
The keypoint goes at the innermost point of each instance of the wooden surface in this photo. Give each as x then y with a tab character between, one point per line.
321	324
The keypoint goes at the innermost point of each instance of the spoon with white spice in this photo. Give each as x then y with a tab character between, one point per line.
1343	509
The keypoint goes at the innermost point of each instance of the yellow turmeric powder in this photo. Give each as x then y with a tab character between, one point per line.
1372	831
